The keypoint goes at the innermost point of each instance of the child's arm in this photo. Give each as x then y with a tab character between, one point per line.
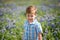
39	31
39	36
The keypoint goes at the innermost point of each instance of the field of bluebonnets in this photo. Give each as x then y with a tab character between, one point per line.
12	16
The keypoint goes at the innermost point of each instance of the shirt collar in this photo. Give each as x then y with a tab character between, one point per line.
32	22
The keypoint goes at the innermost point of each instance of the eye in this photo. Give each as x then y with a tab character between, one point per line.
31	15
28	15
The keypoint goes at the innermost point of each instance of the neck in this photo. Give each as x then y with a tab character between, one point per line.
30	22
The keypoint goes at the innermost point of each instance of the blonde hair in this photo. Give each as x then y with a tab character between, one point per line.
29	9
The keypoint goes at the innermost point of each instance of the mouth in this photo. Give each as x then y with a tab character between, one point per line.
30	20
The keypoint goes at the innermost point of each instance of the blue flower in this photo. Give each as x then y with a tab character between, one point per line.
53	25
58	23
1	19
49	21
1	14
7	27
3	30
42	19
54	33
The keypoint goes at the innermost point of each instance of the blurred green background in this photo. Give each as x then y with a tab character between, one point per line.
12	17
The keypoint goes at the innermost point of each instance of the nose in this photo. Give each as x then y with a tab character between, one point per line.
29	17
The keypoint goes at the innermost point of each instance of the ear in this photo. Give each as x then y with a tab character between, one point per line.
35	11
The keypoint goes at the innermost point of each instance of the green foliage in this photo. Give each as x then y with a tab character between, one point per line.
13	30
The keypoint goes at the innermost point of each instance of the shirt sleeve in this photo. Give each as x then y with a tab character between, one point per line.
39	28
25	23
23	36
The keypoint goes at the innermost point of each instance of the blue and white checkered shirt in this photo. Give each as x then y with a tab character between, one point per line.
31	30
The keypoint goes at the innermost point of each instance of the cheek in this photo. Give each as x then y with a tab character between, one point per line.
30	18
33	17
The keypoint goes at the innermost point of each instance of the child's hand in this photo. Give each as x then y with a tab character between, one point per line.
39	36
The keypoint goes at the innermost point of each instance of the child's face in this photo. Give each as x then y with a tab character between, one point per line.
30	17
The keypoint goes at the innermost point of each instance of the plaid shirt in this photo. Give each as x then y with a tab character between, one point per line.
31	30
